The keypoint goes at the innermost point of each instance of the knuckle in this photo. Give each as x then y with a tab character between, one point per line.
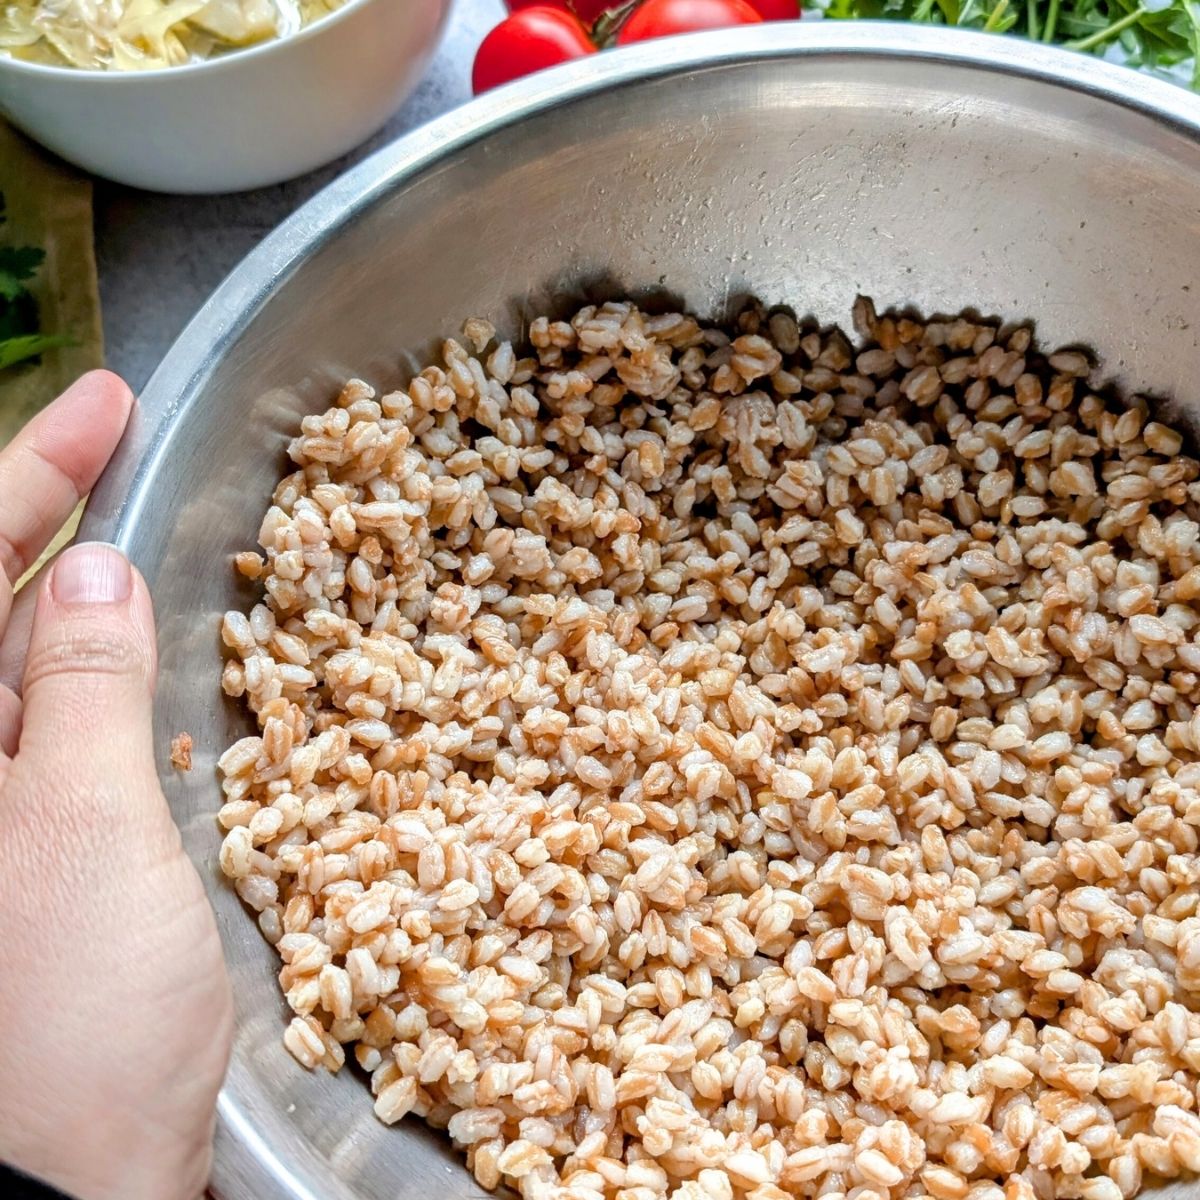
7	595
10	720
21	520
86	649
12	559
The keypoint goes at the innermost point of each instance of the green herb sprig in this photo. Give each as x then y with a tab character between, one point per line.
20	332
1162	36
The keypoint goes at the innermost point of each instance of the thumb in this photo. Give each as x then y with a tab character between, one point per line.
89	680
104	916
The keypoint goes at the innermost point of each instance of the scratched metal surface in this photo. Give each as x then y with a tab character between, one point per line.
802	164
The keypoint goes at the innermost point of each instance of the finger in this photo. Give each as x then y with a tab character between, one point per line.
51	465
10	725
15	641
13	647
87	690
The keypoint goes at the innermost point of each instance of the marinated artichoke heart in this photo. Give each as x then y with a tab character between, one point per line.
239	22
126	35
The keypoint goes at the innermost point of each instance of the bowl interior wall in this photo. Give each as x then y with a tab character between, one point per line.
805	182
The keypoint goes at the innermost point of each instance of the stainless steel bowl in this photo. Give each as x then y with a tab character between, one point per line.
803	164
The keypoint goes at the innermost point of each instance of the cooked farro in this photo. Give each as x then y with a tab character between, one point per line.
720	764
181	752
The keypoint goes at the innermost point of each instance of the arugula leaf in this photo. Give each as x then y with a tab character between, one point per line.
1159	36
20	335
19	349
17	264
18	317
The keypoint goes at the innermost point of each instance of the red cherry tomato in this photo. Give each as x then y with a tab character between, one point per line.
661	18
776	10
588	11
528	41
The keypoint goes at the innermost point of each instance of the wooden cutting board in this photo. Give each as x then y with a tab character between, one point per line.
50	205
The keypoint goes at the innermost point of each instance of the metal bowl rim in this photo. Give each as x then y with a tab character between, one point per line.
175	384
117	502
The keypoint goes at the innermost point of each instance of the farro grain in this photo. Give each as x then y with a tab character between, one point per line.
181	752
736	764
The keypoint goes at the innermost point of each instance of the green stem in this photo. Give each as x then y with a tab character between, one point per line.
1192	8
995	16
1104	35
608	24
1051	22
1031	7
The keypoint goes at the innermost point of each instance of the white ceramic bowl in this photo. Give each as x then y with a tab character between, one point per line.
245	119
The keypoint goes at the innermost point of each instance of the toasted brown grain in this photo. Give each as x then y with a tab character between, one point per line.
181	752
738	763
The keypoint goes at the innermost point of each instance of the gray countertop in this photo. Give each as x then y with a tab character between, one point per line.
161	256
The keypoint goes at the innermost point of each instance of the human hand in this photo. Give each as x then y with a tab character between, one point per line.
115	1014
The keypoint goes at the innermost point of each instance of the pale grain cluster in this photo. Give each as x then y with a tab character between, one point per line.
738	764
